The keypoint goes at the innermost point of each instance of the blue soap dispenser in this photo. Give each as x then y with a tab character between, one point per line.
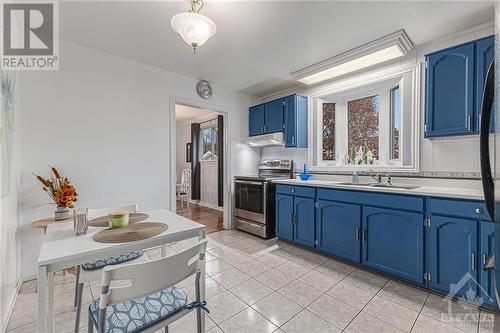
355	178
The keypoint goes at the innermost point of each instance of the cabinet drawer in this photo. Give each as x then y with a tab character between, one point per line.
301	191
462	208
401	202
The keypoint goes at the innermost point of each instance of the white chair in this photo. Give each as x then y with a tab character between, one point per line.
91	271
184	188
152	300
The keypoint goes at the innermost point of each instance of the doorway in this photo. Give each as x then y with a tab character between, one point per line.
200	165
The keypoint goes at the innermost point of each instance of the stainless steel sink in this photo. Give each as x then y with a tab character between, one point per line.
355	184
402	187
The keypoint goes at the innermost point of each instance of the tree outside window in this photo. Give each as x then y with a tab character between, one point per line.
363	124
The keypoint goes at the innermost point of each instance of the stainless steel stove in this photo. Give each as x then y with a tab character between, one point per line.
254	197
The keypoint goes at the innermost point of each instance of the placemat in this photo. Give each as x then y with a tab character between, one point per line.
131	233
102	221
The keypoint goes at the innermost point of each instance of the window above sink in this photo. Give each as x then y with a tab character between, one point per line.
377	118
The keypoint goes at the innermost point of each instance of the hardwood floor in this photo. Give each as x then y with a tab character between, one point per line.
213	219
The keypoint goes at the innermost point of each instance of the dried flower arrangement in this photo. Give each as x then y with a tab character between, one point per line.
59	189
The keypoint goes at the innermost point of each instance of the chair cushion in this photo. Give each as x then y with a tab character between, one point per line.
114	260
138	314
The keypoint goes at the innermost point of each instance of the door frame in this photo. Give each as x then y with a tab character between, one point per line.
224	111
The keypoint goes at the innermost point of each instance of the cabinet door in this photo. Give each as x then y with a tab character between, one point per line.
452	248
393	242
274	116
304	222
290	112
338	229
284	211
487	240
256	120
484	54
450	91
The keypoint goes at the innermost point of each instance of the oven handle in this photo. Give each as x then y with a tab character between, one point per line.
248	182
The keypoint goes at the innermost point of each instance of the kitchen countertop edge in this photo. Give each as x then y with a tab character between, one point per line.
430	191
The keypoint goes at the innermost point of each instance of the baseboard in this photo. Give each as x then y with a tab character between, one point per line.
11	307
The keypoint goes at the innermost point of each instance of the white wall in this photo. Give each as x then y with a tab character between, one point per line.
10	252
446	156
105	121
183	136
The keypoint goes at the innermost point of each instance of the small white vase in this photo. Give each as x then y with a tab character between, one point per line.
61	213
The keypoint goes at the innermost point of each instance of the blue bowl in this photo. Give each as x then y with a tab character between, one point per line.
305	176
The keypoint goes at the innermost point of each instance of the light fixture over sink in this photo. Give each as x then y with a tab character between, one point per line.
194	28
381	50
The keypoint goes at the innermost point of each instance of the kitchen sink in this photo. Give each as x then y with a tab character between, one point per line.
402	187
355	184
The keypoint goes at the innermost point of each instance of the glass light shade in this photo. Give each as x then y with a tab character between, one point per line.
195	29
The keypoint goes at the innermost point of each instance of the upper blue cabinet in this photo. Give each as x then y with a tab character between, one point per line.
256	120
288	115
484	57
453	92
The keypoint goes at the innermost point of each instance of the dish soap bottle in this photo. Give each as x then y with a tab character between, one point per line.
355	177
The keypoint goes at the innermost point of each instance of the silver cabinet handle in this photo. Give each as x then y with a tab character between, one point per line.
484	262
363	235
473	261
291	219
479	210
357	234
293	190
469	123
293	140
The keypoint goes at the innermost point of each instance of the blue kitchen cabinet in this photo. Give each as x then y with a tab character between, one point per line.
303	220
274	116
284	216
485	52
256	120
452	264
393	242
287	115
338	229
450	91
486	246
295	121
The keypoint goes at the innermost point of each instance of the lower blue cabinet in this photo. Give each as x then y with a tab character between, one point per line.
295	218
338	229
284	212
393	242
303	220
453	245
487	240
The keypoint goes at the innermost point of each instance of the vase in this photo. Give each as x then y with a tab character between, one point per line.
61	213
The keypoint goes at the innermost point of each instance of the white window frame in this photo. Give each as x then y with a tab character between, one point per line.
364	86
212	124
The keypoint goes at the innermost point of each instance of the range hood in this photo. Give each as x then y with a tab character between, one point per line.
265	140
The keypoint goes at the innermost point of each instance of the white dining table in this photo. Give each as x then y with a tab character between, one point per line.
61	249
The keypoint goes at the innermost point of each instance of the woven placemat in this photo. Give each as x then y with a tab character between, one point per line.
102	221
131	233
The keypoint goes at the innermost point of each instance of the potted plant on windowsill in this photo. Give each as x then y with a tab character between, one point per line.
61	191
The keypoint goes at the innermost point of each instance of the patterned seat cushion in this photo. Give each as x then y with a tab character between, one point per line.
114	260
136	315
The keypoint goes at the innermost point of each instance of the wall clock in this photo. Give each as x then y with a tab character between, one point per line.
204	89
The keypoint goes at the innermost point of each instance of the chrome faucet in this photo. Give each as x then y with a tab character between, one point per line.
376	176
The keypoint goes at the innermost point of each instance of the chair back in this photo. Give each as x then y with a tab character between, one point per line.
95	212
150	277
185	180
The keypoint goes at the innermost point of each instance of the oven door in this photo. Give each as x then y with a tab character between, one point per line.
250	200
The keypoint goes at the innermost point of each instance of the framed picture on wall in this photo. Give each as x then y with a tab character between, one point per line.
188	152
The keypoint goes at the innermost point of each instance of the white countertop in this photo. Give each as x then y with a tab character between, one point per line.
448	192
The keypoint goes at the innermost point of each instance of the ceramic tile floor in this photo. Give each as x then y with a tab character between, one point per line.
254	285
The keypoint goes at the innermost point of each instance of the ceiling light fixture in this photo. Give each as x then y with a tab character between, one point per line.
381	50
194	28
